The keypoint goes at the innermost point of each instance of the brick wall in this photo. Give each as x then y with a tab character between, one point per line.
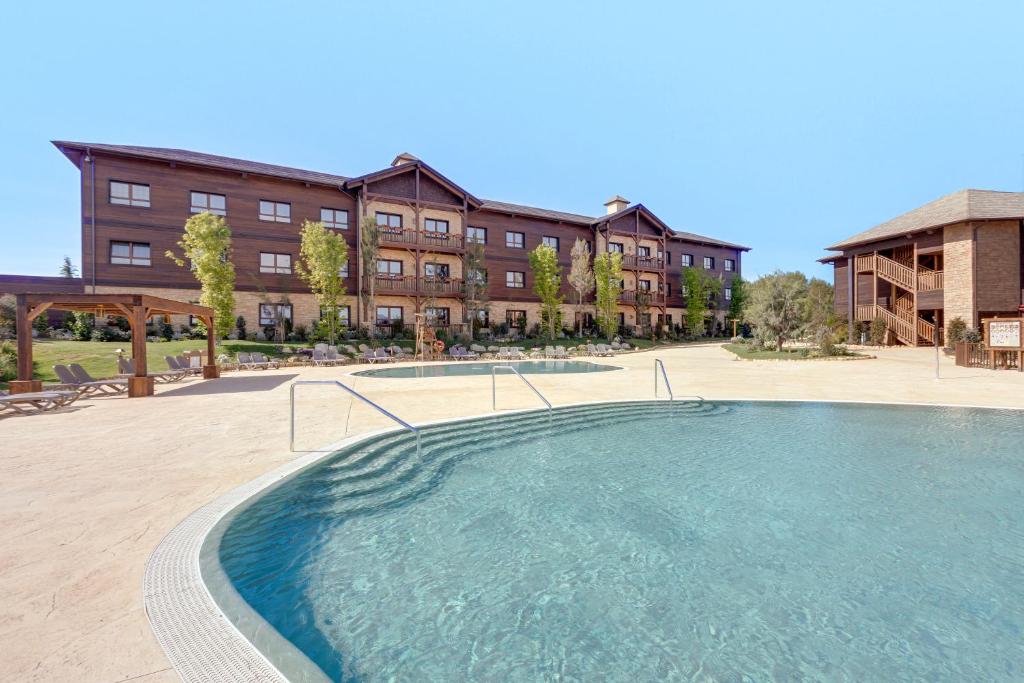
997	270
959	285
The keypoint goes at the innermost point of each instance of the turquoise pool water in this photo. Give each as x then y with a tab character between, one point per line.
650	542
465	368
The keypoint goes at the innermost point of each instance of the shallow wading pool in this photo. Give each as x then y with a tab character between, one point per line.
644	541
467	368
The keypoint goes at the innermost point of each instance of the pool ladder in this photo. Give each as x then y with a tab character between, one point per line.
356	394
494	386
659	365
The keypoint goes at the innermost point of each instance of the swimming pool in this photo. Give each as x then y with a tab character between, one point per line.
466	368
646	541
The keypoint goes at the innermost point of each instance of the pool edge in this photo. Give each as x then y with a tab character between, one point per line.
201	642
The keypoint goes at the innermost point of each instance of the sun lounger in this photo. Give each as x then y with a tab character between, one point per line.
38	401
604	350
75	376
382	356
549	351
503	353
262	360
460	353
320	358
126	368
560	352
591	350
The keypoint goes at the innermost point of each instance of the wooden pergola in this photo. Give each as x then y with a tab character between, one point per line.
137	308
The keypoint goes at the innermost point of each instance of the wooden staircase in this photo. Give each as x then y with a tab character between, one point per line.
899	313
901	324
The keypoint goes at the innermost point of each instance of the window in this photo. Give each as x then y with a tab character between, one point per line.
344	315
437	316
615	247
668	289
271	314
343	271
435	225
643	252
729	264
334	219
478	235
129	194
645	285
278	212
515	240
207	202
477	276
391	222
668	258
515	318
389	267
728	293
389	315
129	253
709	263
687	260
550	241
515	279
436	271
275	263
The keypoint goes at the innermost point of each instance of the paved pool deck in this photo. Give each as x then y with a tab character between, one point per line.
86	494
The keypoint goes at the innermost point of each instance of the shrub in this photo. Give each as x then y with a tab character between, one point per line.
300	333
955	331
240	326
41	324
877	332
166	331
972	336
8	361
81	328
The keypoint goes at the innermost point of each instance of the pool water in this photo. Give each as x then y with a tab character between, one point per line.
466	368
652	541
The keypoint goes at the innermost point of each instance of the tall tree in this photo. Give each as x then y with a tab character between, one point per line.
369	252
700	290
323	254
581	277
777	307
608	284
476	283
547	281
739	298
206	249
67	268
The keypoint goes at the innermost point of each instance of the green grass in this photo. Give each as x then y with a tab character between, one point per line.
748	352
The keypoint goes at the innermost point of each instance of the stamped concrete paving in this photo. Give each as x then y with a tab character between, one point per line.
86	494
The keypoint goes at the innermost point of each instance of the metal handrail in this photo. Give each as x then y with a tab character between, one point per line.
494	385
353	392
664	375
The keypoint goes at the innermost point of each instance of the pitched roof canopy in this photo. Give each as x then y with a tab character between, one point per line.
964	205
408	166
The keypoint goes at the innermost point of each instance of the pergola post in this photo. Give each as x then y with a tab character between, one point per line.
23	328
210	370
139	384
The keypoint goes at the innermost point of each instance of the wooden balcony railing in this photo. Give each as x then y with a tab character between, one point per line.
929	280
865	263
925	329
642	262
631	296
899	274
425	238
410	284
894	272
865	312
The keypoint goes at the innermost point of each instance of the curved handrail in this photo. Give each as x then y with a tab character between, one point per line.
494	385
664	375
353	392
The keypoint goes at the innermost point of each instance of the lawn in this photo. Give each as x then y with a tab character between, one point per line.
748	352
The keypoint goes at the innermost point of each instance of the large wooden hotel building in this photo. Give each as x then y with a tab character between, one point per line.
135	201
959	256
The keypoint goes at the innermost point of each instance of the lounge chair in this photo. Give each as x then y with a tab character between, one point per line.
383	356
263	360
460	353
332	356
245	362
604	350
515	353
185	363
591	350
503	353
75	376
38	401
320	358
560	352
126	368
174	364
549	351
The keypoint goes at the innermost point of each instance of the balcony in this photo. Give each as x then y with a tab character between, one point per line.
413	286
422	238
632	296
634	262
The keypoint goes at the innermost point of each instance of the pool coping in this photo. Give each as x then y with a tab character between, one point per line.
202	643
495	361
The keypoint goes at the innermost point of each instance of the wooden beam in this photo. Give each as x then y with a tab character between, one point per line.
38	310
23	329
137	321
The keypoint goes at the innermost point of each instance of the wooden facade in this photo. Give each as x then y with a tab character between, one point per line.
424	243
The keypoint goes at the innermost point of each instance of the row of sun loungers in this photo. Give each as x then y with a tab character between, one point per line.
256	361
75	377
126	368
182	364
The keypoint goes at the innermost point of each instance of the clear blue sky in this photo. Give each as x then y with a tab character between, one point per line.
783	126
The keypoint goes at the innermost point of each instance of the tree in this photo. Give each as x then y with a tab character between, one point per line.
700	290
608	287
581	276
547	281
820	310
67	268
369	252
206	249
739	298
323	254
476	283
777	307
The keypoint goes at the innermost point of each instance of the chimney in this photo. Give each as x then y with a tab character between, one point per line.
615	204
404	158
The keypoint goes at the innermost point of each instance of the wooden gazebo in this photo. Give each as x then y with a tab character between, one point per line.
137	308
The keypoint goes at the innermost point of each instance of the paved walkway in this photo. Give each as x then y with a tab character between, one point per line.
86	494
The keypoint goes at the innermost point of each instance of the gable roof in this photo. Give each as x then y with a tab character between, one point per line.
533	211
184	156
964	205
405	168
670	233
